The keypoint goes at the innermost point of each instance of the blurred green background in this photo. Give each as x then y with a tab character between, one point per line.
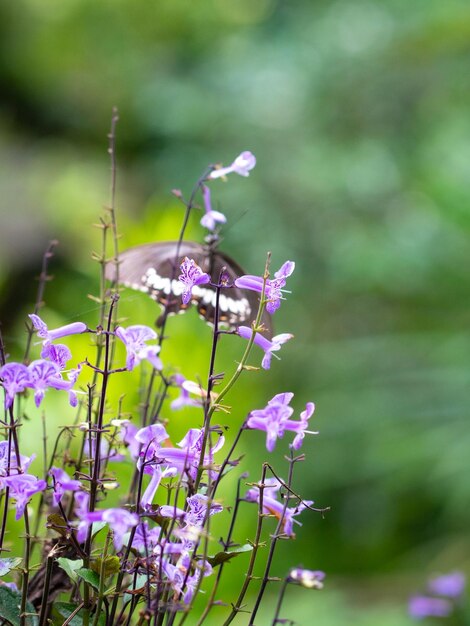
358	112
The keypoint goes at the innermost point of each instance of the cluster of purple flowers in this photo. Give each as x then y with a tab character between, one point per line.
157	539
444	595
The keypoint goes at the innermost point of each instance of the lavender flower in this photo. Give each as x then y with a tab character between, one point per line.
191	275
274	419
45	374
184	399
135	338
272	506
420	607
15	378
62	483
307	578
450	585
119	520
211	218
178	576
242	165
22	487
273	288
158	472
58	354
63	331
15	466
268	346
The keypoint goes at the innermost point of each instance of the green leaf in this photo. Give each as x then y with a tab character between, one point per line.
10	602
70	567
8	564
90	577
112	565
96	527
223	557
64	610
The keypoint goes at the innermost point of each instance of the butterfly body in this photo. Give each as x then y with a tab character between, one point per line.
153	268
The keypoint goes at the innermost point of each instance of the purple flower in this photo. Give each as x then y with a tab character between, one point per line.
307	578
197	510
63	331
158	472
211	218
22	487
15	466
134	338
191	275
272	506
450	585
58	354
119	520
242	165
268	346
274	419
62	483
273	289
178	576
146	538
127	436
15	378
420	607
184	399
45	374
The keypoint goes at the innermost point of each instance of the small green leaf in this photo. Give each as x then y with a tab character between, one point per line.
90	577
70	567
8	564
223	557
112	565
10	603
96	527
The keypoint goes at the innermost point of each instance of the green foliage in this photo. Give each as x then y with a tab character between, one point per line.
10	602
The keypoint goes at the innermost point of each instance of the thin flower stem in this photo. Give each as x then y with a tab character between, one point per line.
274	541
43	279
45	590
280	600
256	543
102	581
25	581
226	545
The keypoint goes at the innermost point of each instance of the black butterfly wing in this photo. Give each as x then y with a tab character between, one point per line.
154	269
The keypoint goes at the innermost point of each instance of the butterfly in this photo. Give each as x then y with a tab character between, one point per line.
153	268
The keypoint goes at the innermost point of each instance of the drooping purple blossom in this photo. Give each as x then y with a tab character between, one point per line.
275	507
127	436
211	218
451	585
158	472
178	576
76	328
273	289
421	607
242	165
274	420
135	338
22	488
119	520
62	483
15	378
191	275
197	509
265	344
